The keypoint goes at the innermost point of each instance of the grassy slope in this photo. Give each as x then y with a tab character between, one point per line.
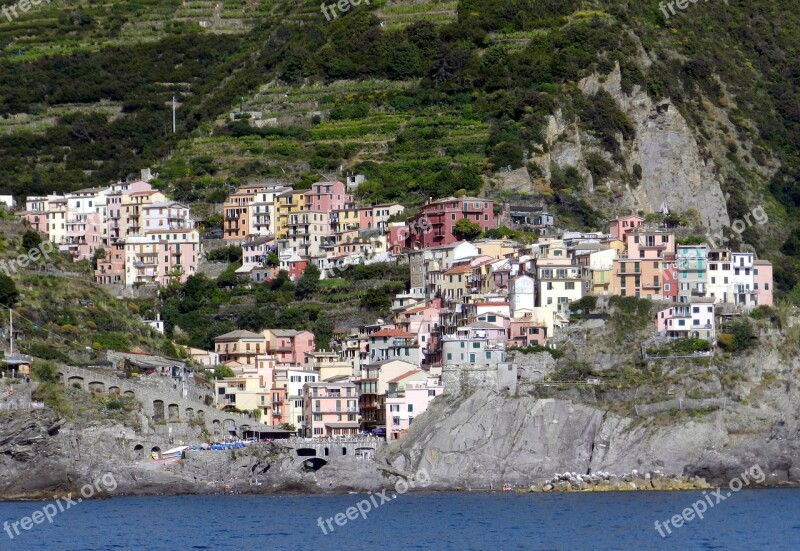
278	58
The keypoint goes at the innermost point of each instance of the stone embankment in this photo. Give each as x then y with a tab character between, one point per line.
605	482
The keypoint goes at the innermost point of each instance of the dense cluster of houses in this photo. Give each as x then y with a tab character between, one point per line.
468	301
324	226
145	237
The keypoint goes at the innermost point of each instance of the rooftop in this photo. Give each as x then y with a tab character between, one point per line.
392	333
238	334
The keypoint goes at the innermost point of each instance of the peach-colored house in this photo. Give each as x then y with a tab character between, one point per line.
240	347
619	227
289	346
762	279
408	396
330	409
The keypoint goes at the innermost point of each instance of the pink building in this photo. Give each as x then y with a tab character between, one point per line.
619	227
330	409
433	225
328	197
377	217
688	320
527	331
289	346
161	256
408	397
83	237
111	269
762	280
397	238
649	243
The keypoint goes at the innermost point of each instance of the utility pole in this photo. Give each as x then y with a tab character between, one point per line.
173	114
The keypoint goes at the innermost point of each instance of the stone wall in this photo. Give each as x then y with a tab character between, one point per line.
459	379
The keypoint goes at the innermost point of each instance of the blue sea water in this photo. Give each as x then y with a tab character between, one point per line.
750	519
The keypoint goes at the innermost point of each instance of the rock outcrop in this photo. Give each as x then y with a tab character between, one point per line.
486	440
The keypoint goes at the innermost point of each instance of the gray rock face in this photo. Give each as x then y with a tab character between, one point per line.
43	457
673	172
486	440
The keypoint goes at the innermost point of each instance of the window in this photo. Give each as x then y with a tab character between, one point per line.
488	355
410	408
472	358
449	356
476	345
431	393
569	285
695	309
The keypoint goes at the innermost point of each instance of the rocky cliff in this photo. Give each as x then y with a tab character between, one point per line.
487	439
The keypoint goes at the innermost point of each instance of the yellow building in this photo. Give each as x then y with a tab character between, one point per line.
236	213
328	365
288	203
496	248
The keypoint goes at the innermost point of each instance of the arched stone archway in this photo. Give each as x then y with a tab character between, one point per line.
158	410
75	382
97	387
113	391
306	452
138	451
129	394
173	413
314	464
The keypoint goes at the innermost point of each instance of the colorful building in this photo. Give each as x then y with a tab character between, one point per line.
433	225
330	409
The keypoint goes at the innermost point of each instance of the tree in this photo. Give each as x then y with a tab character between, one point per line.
99	254
466	229
742	332
272	260
323	331
31	240
227	279
8	291
308	282
257	413
223	371
251	319
44	371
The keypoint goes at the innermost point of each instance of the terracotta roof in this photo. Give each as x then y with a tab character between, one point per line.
459	269
391	333
404	375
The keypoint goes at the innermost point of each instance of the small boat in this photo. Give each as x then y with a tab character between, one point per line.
506	487
174	454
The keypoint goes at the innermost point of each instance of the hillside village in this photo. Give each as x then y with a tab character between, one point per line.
472	296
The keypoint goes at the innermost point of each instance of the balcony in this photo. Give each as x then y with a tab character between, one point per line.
653	245
654	285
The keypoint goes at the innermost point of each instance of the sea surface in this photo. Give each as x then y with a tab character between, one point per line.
749	519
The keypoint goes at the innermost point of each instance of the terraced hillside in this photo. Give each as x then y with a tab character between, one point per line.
548	98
